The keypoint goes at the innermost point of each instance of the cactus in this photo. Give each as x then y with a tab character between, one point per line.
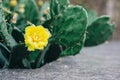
58	6
68	27
31	12
15	33
8	40
99	31
74	22
3	30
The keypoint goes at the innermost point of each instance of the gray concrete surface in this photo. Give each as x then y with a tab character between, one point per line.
95	63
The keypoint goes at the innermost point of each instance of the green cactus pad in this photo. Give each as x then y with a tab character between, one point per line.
58	6
31	10
99	31
70	29
9	40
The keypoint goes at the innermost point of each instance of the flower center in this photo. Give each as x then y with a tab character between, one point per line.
36	38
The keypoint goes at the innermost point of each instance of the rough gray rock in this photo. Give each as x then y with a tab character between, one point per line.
95	63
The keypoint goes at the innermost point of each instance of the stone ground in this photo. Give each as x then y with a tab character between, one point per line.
95	63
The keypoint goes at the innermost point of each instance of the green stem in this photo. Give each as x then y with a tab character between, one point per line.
9	40
41	56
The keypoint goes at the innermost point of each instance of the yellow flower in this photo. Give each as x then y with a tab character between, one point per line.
13	3
40	3
36	37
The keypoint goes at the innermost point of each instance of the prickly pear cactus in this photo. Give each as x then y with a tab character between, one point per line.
58	6
63	29
68	26
3	30
31	12
71	33
99	31
8	42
